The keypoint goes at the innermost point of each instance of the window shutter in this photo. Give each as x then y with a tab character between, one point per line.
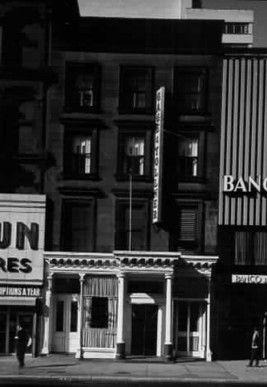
188	224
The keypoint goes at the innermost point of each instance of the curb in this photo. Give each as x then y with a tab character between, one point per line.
63	380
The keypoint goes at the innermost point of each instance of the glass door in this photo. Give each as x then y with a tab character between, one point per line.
66	336
188	328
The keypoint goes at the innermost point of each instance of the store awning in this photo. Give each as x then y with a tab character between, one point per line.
21	301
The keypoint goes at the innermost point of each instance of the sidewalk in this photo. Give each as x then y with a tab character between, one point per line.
66	367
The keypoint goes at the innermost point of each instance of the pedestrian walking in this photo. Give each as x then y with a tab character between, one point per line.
22	340
255	348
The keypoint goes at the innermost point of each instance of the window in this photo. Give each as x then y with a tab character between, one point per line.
191	153
134	155
78	224
28	142
136	90
236	28
80	153
132	230
82	87
59	316
74	316
250	247
99	317
190	90
188	238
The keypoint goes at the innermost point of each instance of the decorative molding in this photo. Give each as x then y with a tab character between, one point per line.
123	262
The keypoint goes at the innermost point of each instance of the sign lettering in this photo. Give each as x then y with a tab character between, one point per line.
249	279
158	154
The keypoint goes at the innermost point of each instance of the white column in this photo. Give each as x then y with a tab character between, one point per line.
79	353
208	351
168	318
120	325
48	317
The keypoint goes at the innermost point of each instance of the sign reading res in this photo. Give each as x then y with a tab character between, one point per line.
13	264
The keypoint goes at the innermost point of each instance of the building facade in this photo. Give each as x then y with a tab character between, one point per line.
25	78
113	273
241	274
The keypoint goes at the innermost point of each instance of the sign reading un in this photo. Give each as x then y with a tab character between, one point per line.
22	226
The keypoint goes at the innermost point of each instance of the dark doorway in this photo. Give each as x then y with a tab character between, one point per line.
144	330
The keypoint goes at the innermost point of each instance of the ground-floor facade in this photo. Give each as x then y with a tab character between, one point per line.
127	304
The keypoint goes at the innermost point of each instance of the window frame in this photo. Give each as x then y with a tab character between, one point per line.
70	132
74	69
194	245
201	135
125	105
124	132
121	232
182	72
104	324
65	240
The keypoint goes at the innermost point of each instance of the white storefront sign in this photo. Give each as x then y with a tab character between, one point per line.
22	229
240	184
259	279
158	156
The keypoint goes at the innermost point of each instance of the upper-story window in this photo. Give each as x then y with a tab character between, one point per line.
251	247
134	154
190	90
80	152
136	90
188	235
132	225
236	28
191	152
82	87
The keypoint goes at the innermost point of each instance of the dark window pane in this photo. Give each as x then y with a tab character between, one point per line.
99	312
182	317
59	316
194	316
74	316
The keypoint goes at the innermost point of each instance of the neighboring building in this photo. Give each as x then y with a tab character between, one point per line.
241	276
114	275
25	78
238	23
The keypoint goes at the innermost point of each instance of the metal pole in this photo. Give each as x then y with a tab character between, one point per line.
130	209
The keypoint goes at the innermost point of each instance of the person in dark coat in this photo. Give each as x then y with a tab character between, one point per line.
22	340
255	348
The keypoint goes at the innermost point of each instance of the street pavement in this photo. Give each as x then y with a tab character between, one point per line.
56	367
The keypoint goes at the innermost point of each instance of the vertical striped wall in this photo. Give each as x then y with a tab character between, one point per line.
243	138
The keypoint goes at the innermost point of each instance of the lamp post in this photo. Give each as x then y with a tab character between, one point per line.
130	208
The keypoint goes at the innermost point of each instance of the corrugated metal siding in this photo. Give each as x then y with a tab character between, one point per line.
243	139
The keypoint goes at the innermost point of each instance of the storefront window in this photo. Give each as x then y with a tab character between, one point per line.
99	312
74	316
59	316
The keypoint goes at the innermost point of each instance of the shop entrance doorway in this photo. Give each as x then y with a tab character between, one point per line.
9	321
189	328
144	330
66	336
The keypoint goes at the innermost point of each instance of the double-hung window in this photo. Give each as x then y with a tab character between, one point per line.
134	153
132	225
191	152
136	90
80	152
190	90
82	87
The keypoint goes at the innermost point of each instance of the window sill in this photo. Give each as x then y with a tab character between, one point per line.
91	177
125	111
143	178
79	109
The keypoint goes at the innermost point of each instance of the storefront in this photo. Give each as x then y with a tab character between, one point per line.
241	292
128	304
22	219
